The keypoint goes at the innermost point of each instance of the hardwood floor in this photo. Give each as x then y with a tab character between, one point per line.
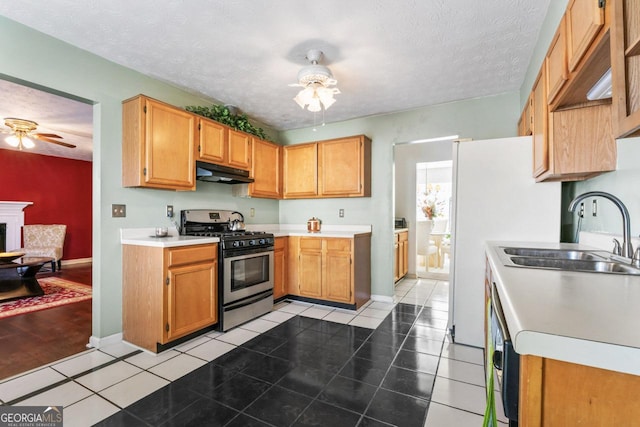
30	340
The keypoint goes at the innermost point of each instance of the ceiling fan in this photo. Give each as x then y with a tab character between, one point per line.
22	133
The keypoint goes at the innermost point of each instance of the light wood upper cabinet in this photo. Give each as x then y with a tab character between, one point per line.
266	169
584	20
525	124
168	293
333	168
556	63
625	67
540	116
157	145
344	167
300	168
212	141
239	150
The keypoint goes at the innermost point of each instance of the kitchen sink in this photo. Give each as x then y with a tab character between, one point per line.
576	265
557	253
565	260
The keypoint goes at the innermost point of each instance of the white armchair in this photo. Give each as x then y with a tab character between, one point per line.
44	241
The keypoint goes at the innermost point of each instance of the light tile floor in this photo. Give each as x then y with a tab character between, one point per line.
99	382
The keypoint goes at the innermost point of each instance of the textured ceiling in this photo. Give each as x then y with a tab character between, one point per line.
387	55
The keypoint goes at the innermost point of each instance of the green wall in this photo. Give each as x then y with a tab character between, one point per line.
81	75
38	60
482	118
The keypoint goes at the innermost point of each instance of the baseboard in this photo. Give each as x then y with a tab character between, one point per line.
96	342
382	298
77	261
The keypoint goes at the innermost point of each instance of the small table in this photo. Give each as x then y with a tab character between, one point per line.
18	278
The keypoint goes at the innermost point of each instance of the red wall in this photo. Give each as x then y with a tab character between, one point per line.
60	190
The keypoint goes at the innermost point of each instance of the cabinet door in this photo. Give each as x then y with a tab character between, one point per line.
280	268
169	143
300	171
239	150
266	169
540	117
310	267
404	253
212	145
584	20
337	270
191	299
341	167
556	63
526	120
625	67
397	261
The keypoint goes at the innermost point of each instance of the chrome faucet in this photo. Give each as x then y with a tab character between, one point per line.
627	248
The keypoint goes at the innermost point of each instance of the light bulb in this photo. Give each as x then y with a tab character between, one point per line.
12	140
27	142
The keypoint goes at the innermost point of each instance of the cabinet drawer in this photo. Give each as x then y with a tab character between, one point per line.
404	236
311	243
339	245
191	254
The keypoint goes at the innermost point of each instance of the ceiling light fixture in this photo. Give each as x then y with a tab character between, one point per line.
22	134
316	81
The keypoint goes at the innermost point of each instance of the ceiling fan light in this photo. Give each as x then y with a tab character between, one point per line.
27	142
314	105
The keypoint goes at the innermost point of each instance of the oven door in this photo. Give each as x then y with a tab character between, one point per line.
506	361
246	274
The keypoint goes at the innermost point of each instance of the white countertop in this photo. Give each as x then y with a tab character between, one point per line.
283	230
590	319
145	237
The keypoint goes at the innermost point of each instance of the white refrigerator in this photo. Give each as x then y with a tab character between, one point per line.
494	198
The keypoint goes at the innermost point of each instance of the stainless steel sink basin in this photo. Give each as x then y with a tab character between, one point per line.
557	253
576	265
565	259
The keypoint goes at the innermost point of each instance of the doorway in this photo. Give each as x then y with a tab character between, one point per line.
61	192
433	211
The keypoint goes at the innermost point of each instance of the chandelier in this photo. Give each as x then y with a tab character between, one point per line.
316	81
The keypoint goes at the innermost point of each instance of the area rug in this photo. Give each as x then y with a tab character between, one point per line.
57	292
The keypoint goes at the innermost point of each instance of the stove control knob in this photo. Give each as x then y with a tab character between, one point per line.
262	241
236	244
252	242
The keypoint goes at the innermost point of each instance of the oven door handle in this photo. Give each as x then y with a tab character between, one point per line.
497	359
249	301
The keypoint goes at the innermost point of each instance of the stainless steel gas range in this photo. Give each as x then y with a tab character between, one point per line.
245	264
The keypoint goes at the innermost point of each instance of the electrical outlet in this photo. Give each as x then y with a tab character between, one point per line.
252	212
341	213
581	211
118	211
594	208
169	211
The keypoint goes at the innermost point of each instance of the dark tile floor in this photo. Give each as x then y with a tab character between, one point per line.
307	372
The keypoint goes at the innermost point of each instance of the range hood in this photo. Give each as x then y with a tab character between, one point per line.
222	174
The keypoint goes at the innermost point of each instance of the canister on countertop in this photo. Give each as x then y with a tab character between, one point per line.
313	225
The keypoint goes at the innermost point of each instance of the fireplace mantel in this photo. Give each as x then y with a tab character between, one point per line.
12	214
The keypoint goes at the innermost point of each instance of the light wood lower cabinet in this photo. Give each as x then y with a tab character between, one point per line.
280	253
401	247
331	269
555	393
168	293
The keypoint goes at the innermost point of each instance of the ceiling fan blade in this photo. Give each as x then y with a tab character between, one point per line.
64	144
48	135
